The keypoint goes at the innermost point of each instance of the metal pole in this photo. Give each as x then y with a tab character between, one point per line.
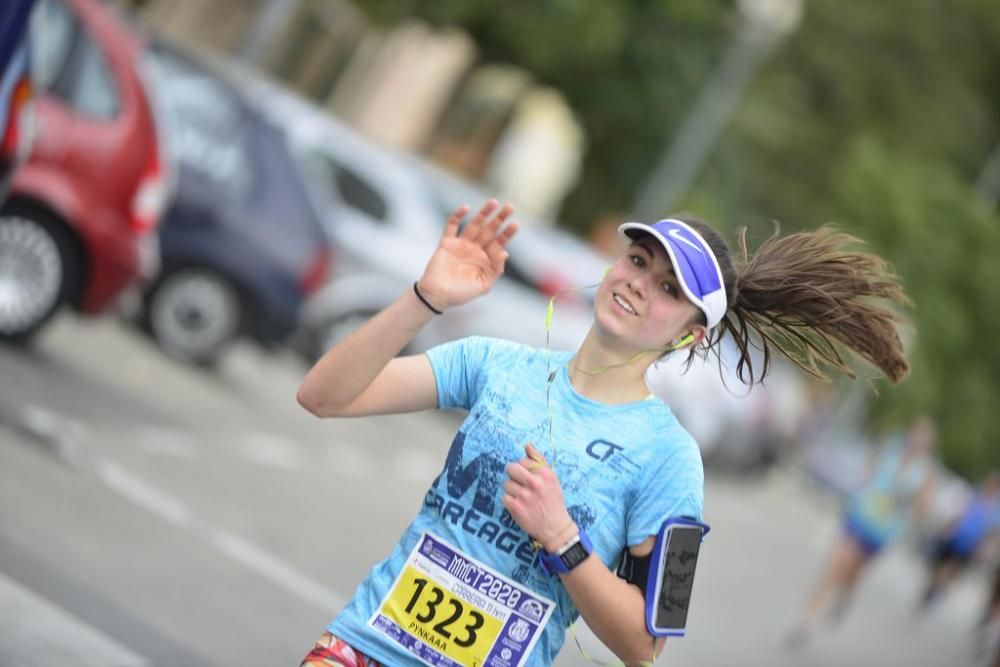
268	20
988	183
765	23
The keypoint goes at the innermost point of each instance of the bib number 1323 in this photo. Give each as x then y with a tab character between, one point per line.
465	616
445	610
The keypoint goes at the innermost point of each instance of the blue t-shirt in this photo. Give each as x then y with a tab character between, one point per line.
882	509
624	470
981	516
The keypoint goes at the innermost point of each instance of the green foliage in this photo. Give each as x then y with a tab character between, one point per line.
923	85
945	245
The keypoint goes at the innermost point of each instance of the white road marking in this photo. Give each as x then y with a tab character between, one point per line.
143	494
35	633
67	440
167	441
44	422
64	435
271	450
276	570
284	575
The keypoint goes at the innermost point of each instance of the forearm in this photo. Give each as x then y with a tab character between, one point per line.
613	609
350	366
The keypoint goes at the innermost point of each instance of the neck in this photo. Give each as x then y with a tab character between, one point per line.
607	374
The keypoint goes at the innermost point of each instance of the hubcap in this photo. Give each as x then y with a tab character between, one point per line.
31	274
194	313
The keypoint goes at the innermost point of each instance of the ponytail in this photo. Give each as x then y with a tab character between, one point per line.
810	296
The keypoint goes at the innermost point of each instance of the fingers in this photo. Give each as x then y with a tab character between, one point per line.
511	504
496	250
519	473
483	227
489	230
497	256
454	220
475	225
534	454
507	233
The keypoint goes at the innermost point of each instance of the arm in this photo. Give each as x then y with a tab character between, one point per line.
361	375
613	608
925	497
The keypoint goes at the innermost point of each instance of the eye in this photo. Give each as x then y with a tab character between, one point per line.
670	288
637	260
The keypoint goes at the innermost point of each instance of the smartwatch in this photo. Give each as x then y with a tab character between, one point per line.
568	556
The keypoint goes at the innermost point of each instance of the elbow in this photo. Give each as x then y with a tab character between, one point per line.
644	649
319	403
309	399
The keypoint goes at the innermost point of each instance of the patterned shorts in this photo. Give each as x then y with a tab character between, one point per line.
332	651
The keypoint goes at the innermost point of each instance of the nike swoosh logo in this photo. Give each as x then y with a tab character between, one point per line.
676	234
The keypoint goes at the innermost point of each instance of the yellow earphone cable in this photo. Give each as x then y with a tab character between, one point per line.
549	313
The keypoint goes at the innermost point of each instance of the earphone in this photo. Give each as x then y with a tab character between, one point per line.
550	311
551	375
683	342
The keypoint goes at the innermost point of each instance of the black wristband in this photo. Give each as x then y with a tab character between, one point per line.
427	303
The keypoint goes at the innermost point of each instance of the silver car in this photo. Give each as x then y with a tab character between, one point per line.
385	221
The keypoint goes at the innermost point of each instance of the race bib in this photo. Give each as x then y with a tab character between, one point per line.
450	610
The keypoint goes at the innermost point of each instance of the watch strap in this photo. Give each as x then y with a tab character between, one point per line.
554	564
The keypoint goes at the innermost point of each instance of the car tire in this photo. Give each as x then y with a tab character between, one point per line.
39	264
194	314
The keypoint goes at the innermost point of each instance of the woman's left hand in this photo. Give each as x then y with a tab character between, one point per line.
534	498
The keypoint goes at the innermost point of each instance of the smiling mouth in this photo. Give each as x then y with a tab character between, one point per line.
626	306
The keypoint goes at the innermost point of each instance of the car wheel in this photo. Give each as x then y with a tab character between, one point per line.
194	314
37	266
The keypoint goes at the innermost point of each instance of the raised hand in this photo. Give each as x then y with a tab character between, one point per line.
533	496
465	265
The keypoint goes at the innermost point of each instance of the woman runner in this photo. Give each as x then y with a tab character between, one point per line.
565	452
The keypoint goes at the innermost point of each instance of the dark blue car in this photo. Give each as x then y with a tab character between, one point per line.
242	244
15	87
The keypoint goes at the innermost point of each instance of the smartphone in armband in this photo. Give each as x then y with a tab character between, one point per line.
671	576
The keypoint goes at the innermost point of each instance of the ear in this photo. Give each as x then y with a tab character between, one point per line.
693	337
683	341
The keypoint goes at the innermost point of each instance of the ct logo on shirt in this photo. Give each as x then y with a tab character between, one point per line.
602	450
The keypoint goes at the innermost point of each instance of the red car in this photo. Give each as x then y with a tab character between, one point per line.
79	223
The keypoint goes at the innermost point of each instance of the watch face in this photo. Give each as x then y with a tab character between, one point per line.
573	556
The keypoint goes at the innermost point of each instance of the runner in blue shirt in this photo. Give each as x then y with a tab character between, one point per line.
896	492
565	461
963	538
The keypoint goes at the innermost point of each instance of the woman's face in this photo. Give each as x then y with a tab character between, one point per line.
641	302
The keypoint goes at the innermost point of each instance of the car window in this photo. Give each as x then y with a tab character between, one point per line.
53	30
340	184
205	123
94	92
68	64
356	193
317	173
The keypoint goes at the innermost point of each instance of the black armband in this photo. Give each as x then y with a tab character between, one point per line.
634	569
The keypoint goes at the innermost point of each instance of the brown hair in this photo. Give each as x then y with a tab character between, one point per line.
810	296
